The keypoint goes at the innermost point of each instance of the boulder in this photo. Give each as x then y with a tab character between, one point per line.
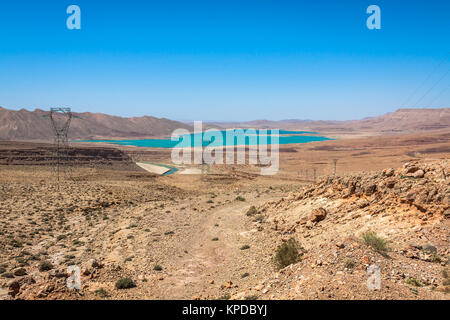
388	172
370	189
362	203
390	183
410	169
418	174
318	215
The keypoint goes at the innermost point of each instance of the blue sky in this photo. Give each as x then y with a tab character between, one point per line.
225	59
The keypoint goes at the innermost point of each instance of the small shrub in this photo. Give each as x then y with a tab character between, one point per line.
2	270
259	218
414	290
102	293
245	247
252	211
373	240
157	268
414	282
251	298
245	275
287	253
446	276
20	260
16	244
435	258
45	266
239	198
349	263
125	283
215	239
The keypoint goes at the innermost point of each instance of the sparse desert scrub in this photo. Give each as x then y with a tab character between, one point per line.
287	253
258	218
102	293
45	266
349	263
446	280
125	283
414	282
252	211
371	239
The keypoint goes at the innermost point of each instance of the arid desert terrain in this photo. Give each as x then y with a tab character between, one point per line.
232	233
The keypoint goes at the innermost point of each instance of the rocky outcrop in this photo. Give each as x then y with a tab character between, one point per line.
318	214
24	153
423	185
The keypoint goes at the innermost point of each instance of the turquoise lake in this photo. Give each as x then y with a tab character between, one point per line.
219	138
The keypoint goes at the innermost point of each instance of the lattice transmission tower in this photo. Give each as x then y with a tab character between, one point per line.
60	119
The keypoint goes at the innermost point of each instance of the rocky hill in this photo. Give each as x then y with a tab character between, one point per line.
33	125
407	120
400	121
393	221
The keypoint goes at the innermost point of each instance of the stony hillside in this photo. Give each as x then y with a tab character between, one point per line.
407	120
33	125
393	220
137	236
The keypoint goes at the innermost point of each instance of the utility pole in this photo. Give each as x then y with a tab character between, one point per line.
335	162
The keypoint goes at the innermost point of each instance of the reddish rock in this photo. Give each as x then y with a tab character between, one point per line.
318	215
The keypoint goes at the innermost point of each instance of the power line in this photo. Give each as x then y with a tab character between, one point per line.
432	87
439	94
426	79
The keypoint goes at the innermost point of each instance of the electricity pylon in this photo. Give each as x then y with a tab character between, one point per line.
60	127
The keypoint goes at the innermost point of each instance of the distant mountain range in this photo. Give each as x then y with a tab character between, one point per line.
402	120
33	125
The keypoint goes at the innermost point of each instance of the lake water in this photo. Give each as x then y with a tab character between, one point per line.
219	138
